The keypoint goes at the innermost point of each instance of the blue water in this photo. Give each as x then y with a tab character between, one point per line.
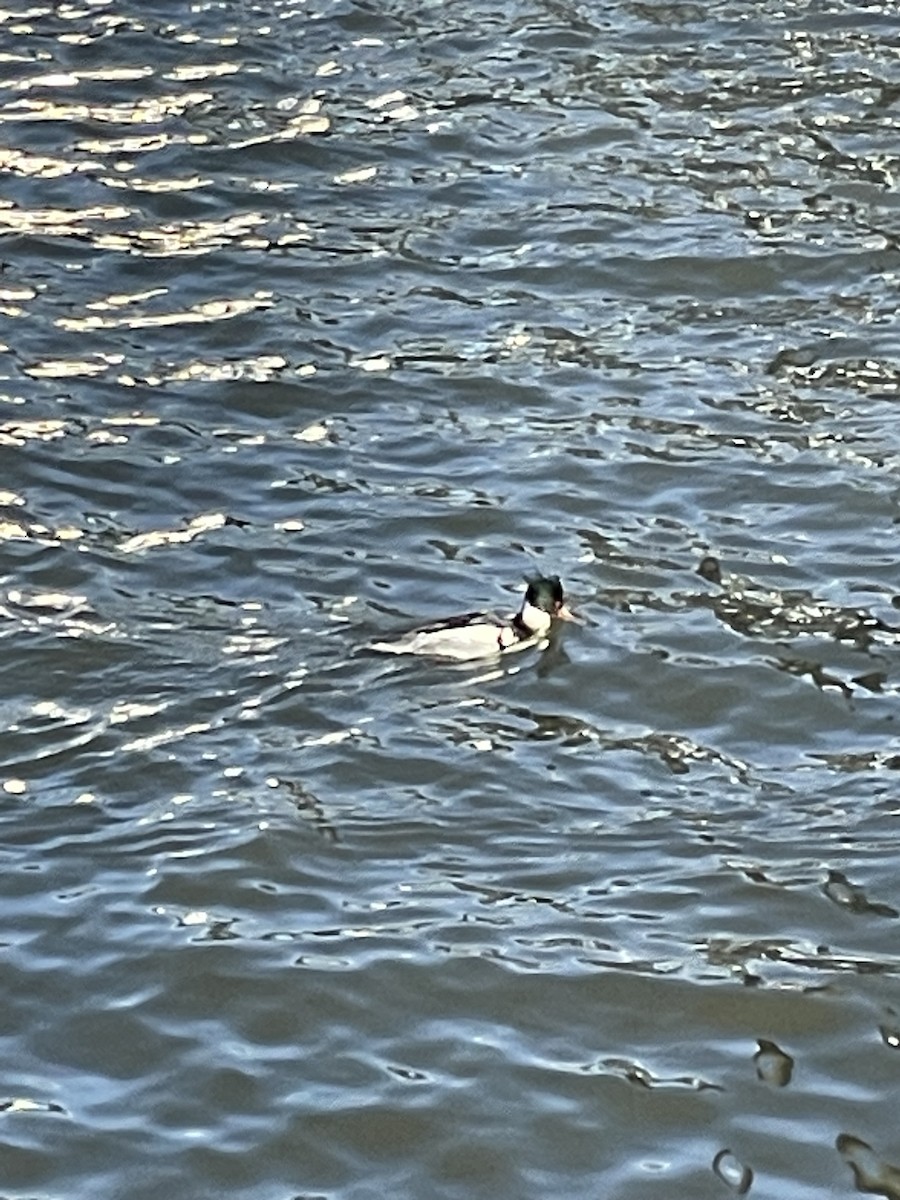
320	320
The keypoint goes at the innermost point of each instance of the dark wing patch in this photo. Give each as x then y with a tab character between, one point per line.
462	621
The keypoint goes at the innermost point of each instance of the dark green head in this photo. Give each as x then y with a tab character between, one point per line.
545	592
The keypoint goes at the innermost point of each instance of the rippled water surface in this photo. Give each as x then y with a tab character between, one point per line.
319	319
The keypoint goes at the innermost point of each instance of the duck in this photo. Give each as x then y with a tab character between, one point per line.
483	634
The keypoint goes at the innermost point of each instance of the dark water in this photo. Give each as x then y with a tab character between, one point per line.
320	318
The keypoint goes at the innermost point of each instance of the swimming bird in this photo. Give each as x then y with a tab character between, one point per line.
484	635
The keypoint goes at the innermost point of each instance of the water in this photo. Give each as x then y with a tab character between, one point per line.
322	319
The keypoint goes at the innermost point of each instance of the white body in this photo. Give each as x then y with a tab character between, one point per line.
481	636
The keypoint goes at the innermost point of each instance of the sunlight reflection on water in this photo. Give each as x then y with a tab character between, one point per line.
320	321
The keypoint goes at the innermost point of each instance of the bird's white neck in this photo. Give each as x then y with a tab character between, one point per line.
535	620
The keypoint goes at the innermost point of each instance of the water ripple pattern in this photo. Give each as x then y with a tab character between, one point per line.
321	317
